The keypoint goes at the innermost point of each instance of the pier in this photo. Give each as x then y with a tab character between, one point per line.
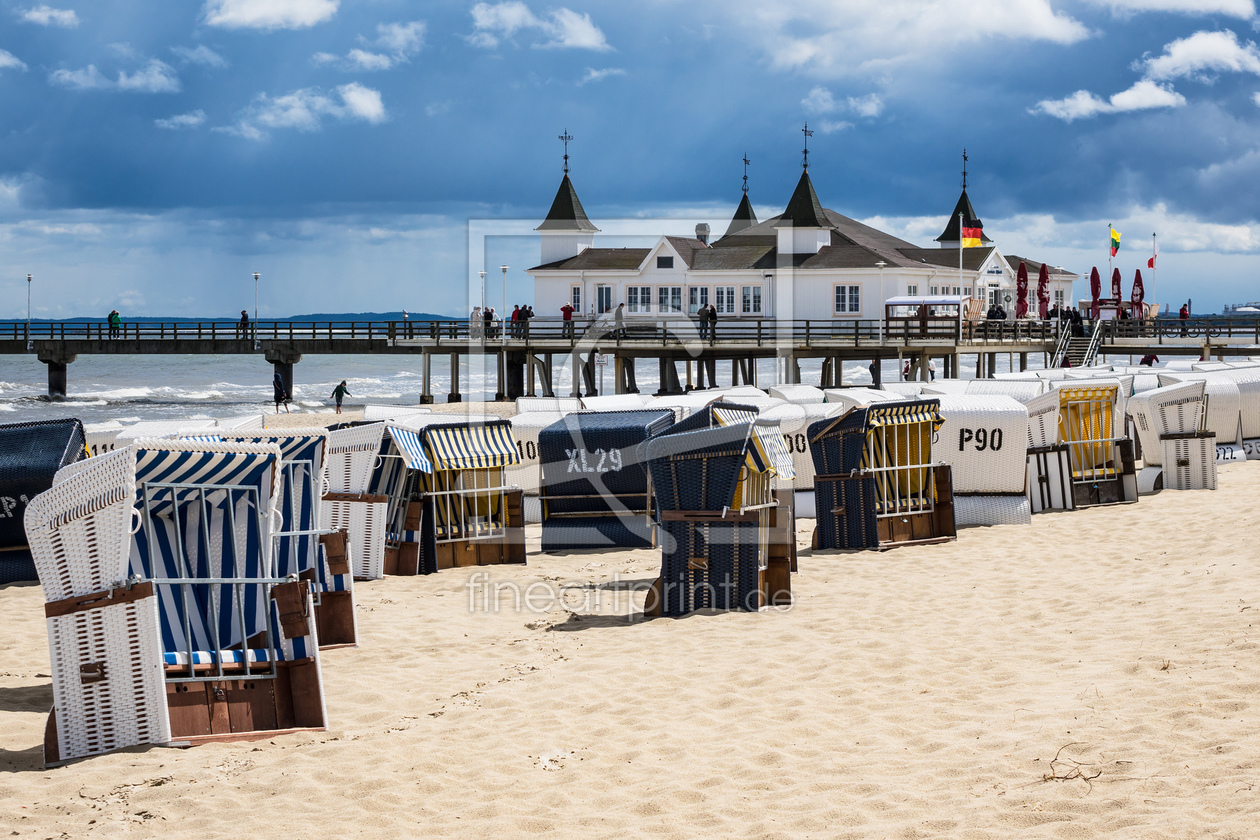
525	354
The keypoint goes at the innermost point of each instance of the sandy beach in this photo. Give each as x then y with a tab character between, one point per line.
1094	674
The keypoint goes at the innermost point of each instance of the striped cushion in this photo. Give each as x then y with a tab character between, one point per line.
228	657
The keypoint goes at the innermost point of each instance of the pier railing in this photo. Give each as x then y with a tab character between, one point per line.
635	331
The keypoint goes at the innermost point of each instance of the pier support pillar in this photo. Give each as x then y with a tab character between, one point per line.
925	373
426	364
1023	362
690	381
734	373
529	373
668	378
500	393
588	374
701	374
548	382
877	373
619	364
283	361
575	388
992	365
837	371
454	396
514	374
57	364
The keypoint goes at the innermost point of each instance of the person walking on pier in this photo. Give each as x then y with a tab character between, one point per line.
280	393
712	324
242	326
339	393
619	322
1183	316
566	315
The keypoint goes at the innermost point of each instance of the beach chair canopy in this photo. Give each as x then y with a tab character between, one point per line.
840	445
352	454
465	446
378	413
1043	420
592	456
30	456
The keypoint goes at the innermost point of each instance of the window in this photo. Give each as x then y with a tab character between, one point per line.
668	299
848	299
958	290
575	299
934	290
724	300
967	291
664	262
603	299
639	298
697	296
1058	297
751	297
912	289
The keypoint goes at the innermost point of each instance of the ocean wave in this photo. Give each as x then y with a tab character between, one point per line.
7	407
116	394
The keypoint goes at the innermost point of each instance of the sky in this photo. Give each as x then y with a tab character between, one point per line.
153	155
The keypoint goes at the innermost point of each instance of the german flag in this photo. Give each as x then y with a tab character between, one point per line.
971	234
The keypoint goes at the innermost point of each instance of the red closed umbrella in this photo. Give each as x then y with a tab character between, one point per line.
1139	294
1043	292
1117	292
1021	291
1095	289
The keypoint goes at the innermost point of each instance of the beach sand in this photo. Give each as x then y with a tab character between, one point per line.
1094	674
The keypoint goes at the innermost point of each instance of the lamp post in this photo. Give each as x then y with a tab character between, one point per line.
255	310
474	329
504	269
28	312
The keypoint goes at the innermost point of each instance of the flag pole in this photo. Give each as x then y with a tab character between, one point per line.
1109	256
1154	266
960	250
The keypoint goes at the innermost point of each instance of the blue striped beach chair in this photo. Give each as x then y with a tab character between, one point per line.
713	476
168	619
876	484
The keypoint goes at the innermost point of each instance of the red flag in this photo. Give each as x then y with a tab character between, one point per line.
1043	292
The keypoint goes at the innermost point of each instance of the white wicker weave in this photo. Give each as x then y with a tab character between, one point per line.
898	390
351	456
244	421
365	522
984	440
945	386
615	402
1224	405
380	413
159	429
992	510
1172	409
1021	390
1043	420
100	437
550	405
1189	463
856	397
526	427
798	394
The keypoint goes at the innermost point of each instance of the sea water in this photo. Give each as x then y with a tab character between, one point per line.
132	388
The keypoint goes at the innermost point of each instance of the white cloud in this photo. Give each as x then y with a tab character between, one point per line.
436	109
832	126
192	119
9	61
832	38
593	75
364	60
306	110
1144	95
821	101
1255	97
401	38
269	14
200	55
1201	53
48	16
155	77
1234	8
494	23
86	79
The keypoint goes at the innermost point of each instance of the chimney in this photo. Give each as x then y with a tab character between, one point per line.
702	233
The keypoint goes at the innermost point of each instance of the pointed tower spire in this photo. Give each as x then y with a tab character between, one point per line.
804	209
566	213
744	217
951	237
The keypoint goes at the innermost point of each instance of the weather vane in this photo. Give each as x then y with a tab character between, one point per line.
565	138
964	168
746	162
808	134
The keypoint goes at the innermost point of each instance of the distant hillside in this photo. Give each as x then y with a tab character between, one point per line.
318	316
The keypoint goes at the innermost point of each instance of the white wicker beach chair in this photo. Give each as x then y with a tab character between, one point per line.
1223	415
160	429
898	390
101	436
525	428
939	387
381	413
352	455
1049	463
615	402
549	405
156	565
798	394
1172	409
857	397
1019	390
983	439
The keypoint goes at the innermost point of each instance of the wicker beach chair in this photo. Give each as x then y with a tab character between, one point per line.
595	491
1176	448
548	405
798	394
167	622
1092	426
526	429
983	439
1049	470
100	437
877	482
31	454
722	524
351	455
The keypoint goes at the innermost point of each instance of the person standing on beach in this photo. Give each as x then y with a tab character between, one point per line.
280	394
339	393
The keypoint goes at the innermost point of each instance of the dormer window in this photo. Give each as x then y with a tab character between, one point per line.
664	262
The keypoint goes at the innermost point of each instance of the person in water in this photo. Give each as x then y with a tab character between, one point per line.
281	394
339	393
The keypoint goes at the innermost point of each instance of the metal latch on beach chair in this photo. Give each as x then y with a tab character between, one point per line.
290	601
698	563
91	672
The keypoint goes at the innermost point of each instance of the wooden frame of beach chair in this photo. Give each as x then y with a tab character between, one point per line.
1049	482
877	483
31	454
723	525
351	455
302	546
166	622
1102	464
983	439
596	493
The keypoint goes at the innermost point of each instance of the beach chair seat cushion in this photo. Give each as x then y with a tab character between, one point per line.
227	657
